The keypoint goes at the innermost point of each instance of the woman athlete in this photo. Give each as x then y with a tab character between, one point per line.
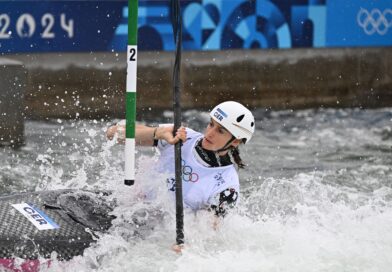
210	179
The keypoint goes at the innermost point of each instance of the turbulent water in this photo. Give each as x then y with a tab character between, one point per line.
316	196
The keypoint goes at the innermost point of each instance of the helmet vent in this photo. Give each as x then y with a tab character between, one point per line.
252	124
239	118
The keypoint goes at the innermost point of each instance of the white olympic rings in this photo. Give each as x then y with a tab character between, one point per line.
375	20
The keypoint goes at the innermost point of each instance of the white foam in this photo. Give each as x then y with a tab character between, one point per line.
337	218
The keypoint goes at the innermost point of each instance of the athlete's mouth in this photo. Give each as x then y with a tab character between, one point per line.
208	141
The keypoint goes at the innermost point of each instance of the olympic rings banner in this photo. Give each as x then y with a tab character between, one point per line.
90	26
359	23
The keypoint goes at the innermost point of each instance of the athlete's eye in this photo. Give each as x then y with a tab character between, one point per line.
221	130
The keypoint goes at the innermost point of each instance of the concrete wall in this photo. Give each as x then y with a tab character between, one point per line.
93	85
13	78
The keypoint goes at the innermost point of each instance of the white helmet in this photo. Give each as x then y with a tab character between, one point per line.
236	118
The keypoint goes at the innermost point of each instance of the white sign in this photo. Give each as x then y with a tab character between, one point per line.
37	217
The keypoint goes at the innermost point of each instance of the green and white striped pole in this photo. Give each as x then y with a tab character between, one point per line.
131	93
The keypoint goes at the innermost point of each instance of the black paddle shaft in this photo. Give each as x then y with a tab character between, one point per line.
177	31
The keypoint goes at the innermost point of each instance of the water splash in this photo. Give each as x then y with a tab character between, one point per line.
316	196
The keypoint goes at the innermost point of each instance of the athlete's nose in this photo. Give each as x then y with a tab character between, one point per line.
210	133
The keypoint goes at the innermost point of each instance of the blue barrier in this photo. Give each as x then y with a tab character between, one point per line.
84	26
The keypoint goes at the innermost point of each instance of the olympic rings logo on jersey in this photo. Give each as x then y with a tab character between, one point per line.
375	21
187	173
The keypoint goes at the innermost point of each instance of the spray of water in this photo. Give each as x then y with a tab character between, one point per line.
315	197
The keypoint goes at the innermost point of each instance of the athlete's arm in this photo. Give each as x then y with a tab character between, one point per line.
145	135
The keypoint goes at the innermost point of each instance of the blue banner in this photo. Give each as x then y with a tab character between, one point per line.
90	26
359	23
58	26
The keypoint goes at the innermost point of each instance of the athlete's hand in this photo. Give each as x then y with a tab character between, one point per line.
178	248
111	131
116	131
166	133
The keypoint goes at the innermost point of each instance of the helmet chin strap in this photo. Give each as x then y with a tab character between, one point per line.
227	146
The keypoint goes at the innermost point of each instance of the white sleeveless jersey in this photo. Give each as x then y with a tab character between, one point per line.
201	184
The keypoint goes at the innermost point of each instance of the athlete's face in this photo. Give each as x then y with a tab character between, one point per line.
216	137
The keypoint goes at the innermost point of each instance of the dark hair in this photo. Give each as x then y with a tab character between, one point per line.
235	153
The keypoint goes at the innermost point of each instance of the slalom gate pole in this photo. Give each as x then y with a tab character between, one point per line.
177	32
130	107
